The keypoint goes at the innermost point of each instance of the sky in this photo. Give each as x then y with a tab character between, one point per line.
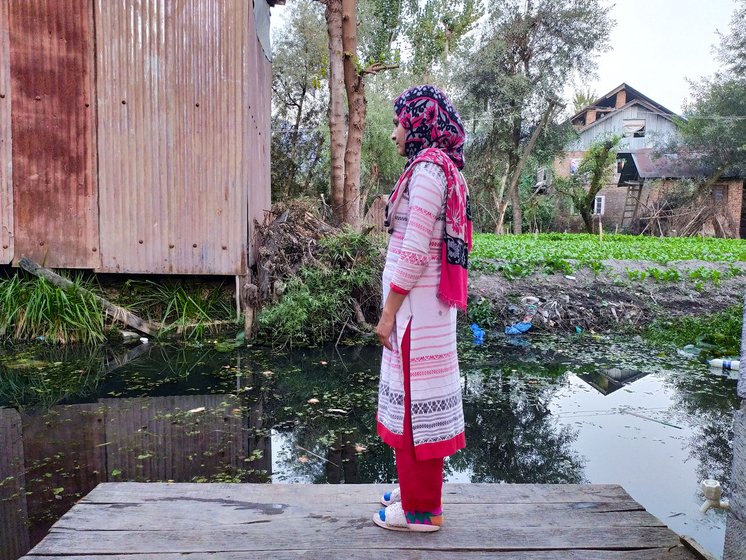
656	46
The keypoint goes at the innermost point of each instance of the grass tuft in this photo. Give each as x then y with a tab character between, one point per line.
190	311
34	308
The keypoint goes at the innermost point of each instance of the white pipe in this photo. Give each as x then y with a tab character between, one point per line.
713	496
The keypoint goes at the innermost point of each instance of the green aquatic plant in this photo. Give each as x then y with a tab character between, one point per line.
188	309
706	274
520	255
664	275
34	308
717	334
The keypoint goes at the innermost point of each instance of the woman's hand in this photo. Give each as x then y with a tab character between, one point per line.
383	329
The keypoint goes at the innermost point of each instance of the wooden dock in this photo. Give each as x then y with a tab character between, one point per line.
138	521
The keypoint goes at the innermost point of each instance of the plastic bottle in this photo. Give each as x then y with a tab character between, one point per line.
725	364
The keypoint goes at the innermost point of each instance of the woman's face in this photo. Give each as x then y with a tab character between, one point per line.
399	137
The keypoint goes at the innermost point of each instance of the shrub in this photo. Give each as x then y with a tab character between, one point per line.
319	302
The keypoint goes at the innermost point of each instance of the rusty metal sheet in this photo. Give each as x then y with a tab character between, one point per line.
6	158
175	135
259	101
651	166
54	197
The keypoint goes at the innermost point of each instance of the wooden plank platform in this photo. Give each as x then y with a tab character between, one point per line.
138	521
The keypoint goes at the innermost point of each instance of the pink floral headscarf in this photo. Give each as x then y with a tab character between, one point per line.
436	134
431	121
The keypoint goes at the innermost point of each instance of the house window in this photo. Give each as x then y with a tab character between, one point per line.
634	128
598	206
542	180
718	193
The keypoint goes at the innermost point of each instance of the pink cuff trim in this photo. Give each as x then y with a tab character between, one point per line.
398	290
390	438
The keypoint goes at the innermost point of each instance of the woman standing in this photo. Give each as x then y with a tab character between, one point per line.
420	413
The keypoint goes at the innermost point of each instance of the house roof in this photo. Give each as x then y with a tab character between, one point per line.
648	165
607	104
608	99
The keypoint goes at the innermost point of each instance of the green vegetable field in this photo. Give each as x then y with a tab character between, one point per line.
520	255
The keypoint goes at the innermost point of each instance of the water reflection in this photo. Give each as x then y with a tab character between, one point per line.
608	380
542	411
511	434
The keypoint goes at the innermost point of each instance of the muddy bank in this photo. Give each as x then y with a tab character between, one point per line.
609	301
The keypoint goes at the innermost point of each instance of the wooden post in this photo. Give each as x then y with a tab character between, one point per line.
114	311
735	530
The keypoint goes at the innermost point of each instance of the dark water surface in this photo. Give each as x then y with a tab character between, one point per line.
582	409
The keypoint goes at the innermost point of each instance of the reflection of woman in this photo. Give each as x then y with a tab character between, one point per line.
420	413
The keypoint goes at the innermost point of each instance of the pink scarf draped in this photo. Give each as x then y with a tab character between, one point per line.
457	235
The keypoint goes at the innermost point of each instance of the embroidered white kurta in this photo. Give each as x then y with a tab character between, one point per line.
413	265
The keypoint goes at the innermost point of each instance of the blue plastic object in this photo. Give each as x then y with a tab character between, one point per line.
478	334
518	328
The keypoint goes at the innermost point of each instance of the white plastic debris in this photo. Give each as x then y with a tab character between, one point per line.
713	495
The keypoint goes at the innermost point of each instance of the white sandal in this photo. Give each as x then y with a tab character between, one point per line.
393	518
391	497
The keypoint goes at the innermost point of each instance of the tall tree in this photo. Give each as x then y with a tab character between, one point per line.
347	83
529	52
714	129
592	175
434	28
353	56
732	48
299	102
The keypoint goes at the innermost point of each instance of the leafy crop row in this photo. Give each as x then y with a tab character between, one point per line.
521	255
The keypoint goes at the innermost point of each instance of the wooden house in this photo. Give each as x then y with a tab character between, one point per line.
642	176
134	136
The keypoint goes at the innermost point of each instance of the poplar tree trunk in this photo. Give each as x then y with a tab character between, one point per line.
356	103
337	128
515	195
501	204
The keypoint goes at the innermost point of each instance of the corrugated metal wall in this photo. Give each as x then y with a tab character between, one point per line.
173	132
55	194
179	92
6	159
258	98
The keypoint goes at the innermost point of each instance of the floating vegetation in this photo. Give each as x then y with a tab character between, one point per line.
716	335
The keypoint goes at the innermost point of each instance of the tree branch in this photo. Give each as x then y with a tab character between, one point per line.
378	67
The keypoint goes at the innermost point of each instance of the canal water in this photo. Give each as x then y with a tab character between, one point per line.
539	409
